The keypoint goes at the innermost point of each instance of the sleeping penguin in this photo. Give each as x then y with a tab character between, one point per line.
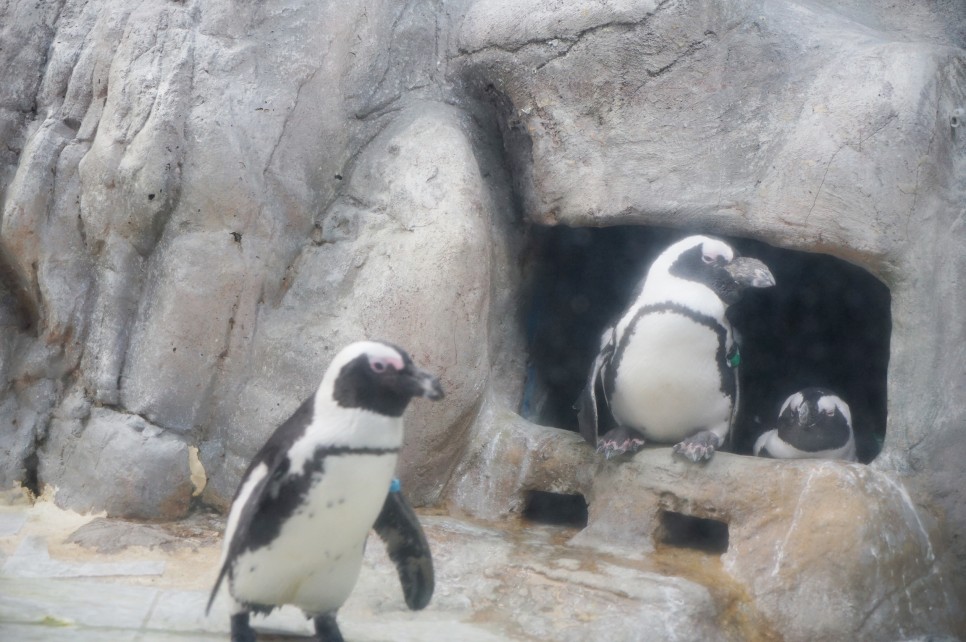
667	371
304	508
813	423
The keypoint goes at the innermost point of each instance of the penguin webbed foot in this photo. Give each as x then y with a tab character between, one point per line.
618	441
327	629
698	447
241	630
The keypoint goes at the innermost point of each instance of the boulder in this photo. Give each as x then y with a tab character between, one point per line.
820	550
99	459
402	256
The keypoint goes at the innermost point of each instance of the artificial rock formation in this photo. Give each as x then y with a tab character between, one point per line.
826	550
201	202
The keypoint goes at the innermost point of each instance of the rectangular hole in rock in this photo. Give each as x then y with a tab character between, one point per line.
556	509
688	531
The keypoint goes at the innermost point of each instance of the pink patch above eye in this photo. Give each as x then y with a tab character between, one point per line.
381	364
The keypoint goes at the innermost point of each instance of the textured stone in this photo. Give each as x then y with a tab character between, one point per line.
106	535
404	254
201	202
205	163
813	127
117	463
842	542
518	583
32	560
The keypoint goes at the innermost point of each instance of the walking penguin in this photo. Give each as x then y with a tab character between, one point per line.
299	522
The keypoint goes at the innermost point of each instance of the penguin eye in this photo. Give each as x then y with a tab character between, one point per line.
708	260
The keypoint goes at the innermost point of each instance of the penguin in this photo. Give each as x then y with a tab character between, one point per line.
299	521
813	423
667	370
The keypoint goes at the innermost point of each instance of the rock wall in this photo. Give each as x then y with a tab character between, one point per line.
201	202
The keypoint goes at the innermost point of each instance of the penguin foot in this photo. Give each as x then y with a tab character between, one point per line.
326	628
698	446
241	630
619	441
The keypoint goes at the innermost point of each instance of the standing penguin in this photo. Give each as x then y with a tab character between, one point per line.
304	508
813	423
667	370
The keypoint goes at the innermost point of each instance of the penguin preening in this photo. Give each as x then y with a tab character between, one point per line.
813	423
299	521
667	371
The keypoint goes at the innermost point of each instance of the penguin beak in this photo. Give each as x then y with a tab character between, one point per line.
749	272
426	385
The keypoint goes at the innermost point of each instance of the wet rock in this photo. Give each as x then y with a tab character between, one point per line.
106	535
528	587
824	549
508	582
32	560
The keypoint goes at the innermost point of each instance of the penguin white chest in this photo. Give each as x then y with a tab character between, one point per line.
668	383
314	561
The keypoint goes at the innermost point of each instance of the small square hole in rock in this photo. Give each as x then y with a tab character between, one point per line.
688	531
556	509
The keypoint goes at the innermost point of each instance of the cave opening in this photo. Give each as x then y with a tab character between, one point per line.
687	531
556	509
826	323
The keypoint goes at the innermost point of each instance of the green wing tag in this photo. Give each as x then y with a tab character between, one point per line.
734	357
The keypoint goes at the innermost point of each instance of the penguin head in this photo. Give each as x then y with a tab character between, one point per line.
378	377
712	263
815	419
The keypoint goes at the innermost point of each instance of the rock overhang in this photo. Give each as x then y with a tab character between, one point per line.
785	127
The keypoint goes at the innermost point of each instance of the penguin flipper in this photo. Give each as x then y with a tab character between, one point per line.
760	448
398	527
258	495
588	419
265	472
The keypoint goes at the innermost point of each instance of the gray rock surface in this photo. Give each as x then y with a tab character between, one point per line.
118	463
401	254
823	550
201	202
214	232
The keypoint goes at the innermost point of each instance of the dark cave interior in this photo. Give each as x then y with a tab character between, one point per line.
687	531
826	323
